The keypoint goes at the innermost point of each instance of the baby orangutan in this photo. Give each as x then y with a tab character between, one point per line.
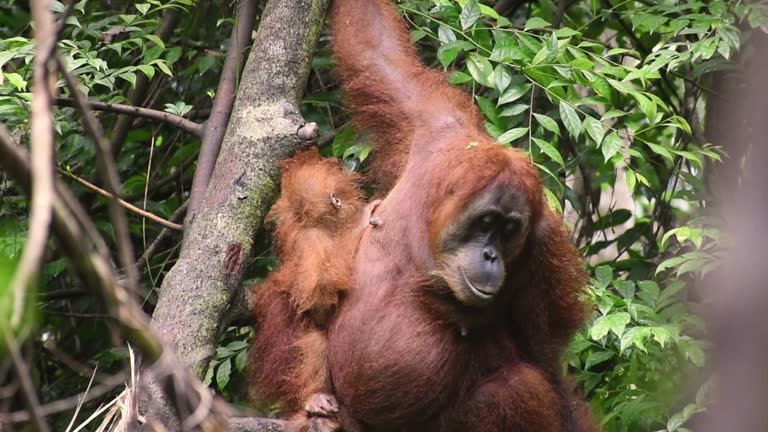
320	215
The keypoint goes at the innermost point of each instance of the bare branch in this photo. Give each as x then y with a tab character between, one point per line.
42	138
106	165
253	424
143	213
173	120
164	235
25	379
222	104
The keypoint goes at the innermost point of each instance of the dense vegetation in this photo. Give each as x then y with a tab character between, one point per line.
609	99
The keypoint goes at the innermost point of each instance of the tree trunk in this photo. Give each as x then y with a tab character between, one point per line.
198	291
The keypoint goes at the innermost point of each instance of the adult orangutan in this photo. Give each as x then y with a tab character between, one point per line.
466	293
462	295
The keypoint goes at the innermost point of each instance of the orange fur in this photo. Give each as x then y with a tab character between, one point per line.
319	220
403	354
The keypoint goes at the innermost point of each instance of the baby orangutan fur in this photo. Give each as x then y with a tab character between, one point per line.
319	216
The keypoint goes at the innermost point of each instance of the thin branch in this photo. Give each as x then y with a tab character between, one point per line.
143	213
160	239
172	119
222	104
106	165
42	142
25	379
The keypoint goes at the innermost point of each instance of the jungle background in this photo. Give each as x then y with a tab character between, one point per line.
614	101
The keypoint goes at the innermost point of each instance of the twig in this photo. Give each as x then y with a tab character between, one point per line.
106	166
44	75
143	213
25	379
222	104
164	234
152	114
62	21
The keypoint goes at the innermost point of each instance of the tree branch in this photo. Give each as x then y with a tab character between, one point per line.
172	119
222	104
25	379
44	76
105	164
143	213
162	237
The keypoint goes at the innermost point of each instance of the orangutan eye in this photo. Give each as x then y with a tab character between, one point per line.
511	228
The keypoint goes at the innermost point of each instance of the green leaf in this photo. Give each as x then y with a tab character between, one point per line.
635	336
649	292
163	67
631	181
447	53
583	63
17	81
130	77
445	34
540	56
514	110
157	41
602	87
570	119
417	35
617	322
661	335
489	109
223	374
599	329
594	128
597	357
149	71
511	135
610	146
469	14
647	106
550	151
241	360
604	275
547	123
143	8
480	69
502	77
625	288
536	23
344	139
553	201
458	77
665	153
209	373
514	93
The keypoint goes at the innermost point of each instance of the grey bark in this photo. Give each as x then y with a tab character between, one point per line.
201	287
